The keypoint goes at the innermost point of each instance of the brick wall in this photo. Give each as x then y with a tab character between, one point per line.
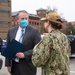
5	18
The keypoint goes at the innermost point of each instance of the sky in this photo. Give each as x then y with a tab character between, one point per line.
66	8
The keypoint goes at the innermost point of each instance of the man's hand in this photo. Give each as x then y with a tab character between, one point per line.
20	55
9	69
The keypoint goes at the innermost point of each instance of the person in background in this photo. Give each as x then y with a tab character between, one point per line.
53	51
0	43
22	65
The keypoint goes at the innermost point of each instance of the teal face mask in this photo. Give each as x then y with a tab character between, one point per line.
24	23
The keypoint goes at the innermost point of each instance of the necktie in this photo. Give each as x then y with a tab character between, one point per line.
20	40
21	37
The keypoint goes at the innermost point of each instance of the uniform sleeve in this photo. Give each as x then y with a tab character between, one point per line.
41	52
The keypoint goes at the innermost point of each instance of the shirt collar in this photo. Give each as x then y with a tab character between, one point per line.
21	28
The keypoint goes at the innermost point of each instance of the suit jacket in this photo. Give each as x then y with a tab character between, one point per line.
31	38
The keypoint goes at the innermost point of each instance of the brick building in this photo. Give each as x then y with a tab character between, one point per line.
34	20
5	17
8	19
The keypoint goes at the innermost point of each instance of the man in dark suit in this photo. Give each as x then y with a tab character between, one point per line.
22	65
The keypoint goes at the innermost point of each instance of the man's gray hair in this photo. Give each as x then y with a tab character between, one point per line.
21	12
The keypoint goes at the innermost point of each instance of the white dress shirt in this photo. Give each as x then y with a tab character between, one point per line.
17	38
18	34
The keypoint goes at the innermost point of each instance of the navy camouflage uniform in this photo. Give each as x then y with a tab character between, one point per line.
52	54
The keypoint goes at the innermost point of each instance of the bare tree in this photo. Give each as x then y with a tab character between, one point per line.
49	9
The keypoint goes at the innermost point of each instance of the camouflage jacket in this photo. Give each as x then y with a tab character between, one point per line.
52	54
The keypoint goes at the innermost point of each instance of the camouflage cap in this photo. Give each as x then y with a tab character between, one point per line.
52	16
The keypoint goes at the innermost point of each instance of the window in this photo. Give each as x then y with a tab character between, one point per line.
3	22
1	1
4	0
4	11
37	23
39	12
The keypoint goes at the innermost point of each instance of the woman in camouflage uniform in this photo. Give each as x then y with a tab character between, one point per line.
53	51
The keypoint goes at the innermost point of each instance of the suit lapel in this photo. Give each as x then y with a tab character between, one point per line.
15	31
